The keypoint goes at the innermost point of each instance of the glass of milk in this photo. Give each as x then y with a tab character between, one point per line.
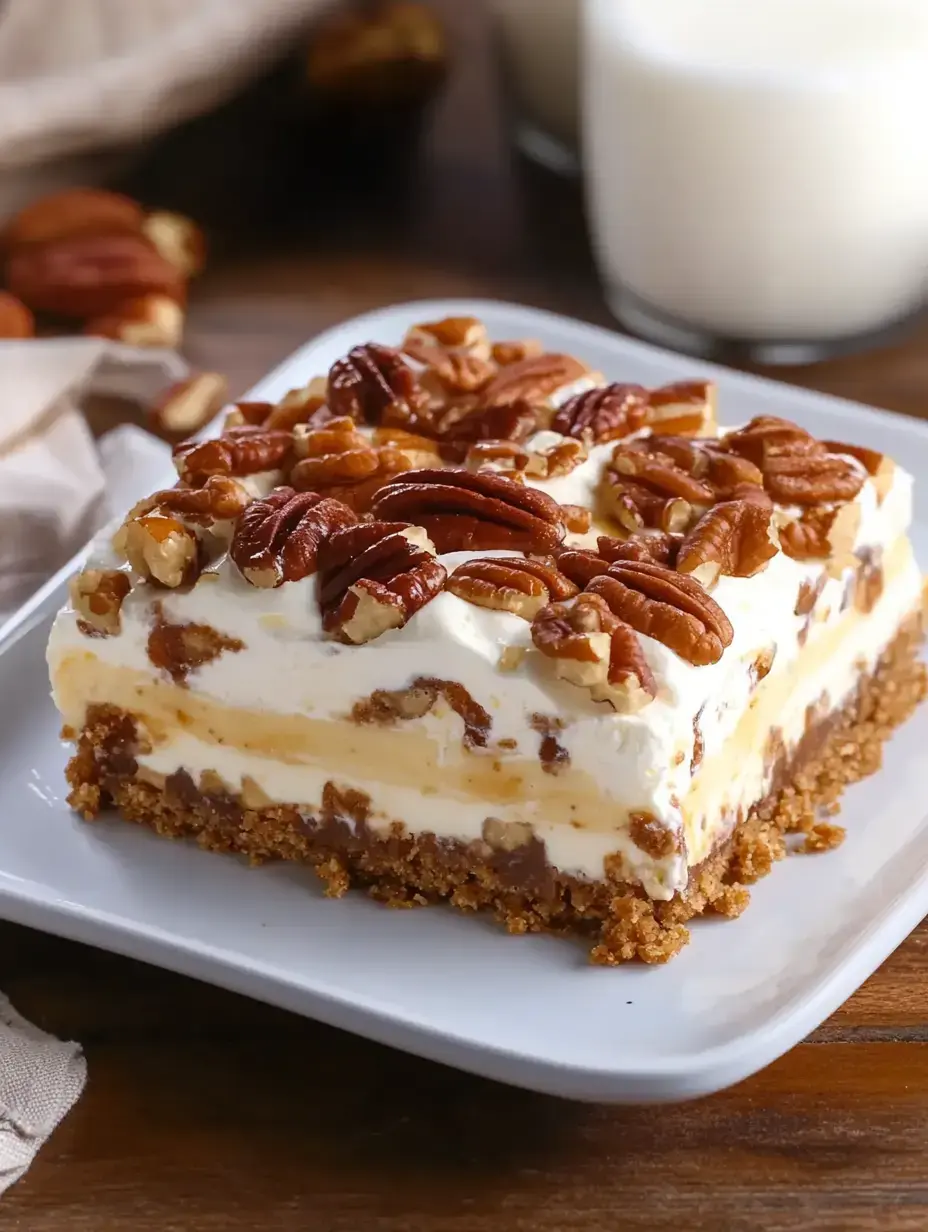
539	44
757	170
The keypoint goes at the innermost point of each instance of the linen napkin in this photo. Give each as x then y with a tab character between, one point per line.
40	1081
57	487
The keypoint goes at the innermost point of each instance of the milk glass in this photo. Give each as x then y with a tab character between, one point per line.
757	170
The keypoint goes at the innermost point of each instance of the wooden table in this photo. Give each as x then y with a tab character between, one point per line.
209	1112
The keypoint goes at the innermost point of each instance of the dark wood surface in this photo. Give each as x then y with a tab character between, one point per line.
208	1112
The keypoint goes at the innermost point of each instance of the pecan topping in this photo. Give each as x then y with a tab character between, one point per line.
513	421
510	584
685	407
581	565
277	539
462	373
878	466
593	649
658	547
300	406
534	379
418	450
180	649
250	414
767	434
472	512
160	548
551	753
558	458
667	606
189	405
246	450
606	414
634	506
339	461
97	596
577	518
659	473
514	352
805	479
219	500
505	457
462	334
375	576
735	538
369	380
388	706
823	531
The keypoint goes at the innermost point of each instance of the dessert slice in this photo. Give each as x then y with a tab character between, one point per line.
467	623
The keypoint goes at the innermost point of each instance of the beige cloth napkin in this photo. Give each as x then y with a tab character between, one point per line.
57	487
40	1081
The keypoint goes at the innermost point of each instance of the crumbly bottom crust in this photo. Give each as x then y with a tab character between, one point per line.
617	919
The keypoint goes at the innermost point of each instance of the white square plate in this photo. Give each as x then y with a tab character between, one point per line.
457	989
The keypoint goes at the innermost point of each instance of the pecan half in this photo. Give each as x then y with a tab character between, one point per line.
685	407
808	479
594	650
606	414
462	373
878	466
634	506
736	538
668	606
277	539
418	450
581	565
462	511
536	379
513	421
767	434
370	379
338	460
464	334
221	499
242	451
375	576
159	547
510	584
659	547
660	474
97	596
822	532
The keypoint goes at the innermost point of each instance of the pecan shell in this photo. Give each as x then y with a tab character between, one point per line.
277	539
462	511
606	414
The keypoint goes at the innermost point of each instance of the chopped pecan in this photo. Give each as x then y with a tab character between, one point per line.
869	579
510	584
514	352
822	532
189	405
159	547
594	650
301	405
659	547
387	706
277	539
599	415
418	450
685	407
810	591
736	538
536	379
462	511
634	506
549	461
251	414
375	576
554	757
514	421
463	334
242	451
504	456
369	380
667	606
97	596
462	373
878	466
180	649
577	518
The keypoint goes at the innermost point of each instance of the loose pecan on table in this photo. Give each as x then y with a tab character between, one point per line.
736	538
462	511
593	649
668	606
277	539
370	380
510	584
97	596
245	450
375	576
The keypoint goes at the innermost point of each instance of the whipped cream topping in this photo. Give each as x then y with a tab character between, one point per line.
639	763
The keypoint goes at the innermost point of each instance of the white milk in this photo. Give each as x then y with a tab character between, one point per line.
540	45
758	169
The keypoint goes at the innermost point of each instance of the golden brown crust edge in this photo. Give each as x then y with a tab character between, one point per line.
617	919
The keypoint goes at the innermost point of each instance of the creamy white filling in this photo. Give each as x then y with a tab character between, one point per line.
639	762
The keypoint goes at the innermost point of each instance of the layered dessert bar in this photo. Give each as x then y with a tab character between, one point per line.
464	621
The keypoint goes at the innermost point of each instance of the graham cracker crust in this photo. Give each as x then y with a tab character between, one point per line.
618	921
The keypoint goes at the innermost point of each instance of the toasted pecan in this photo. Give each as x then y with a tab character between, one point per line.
370	379
277	539
510	584
734	537
245	450
599	415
